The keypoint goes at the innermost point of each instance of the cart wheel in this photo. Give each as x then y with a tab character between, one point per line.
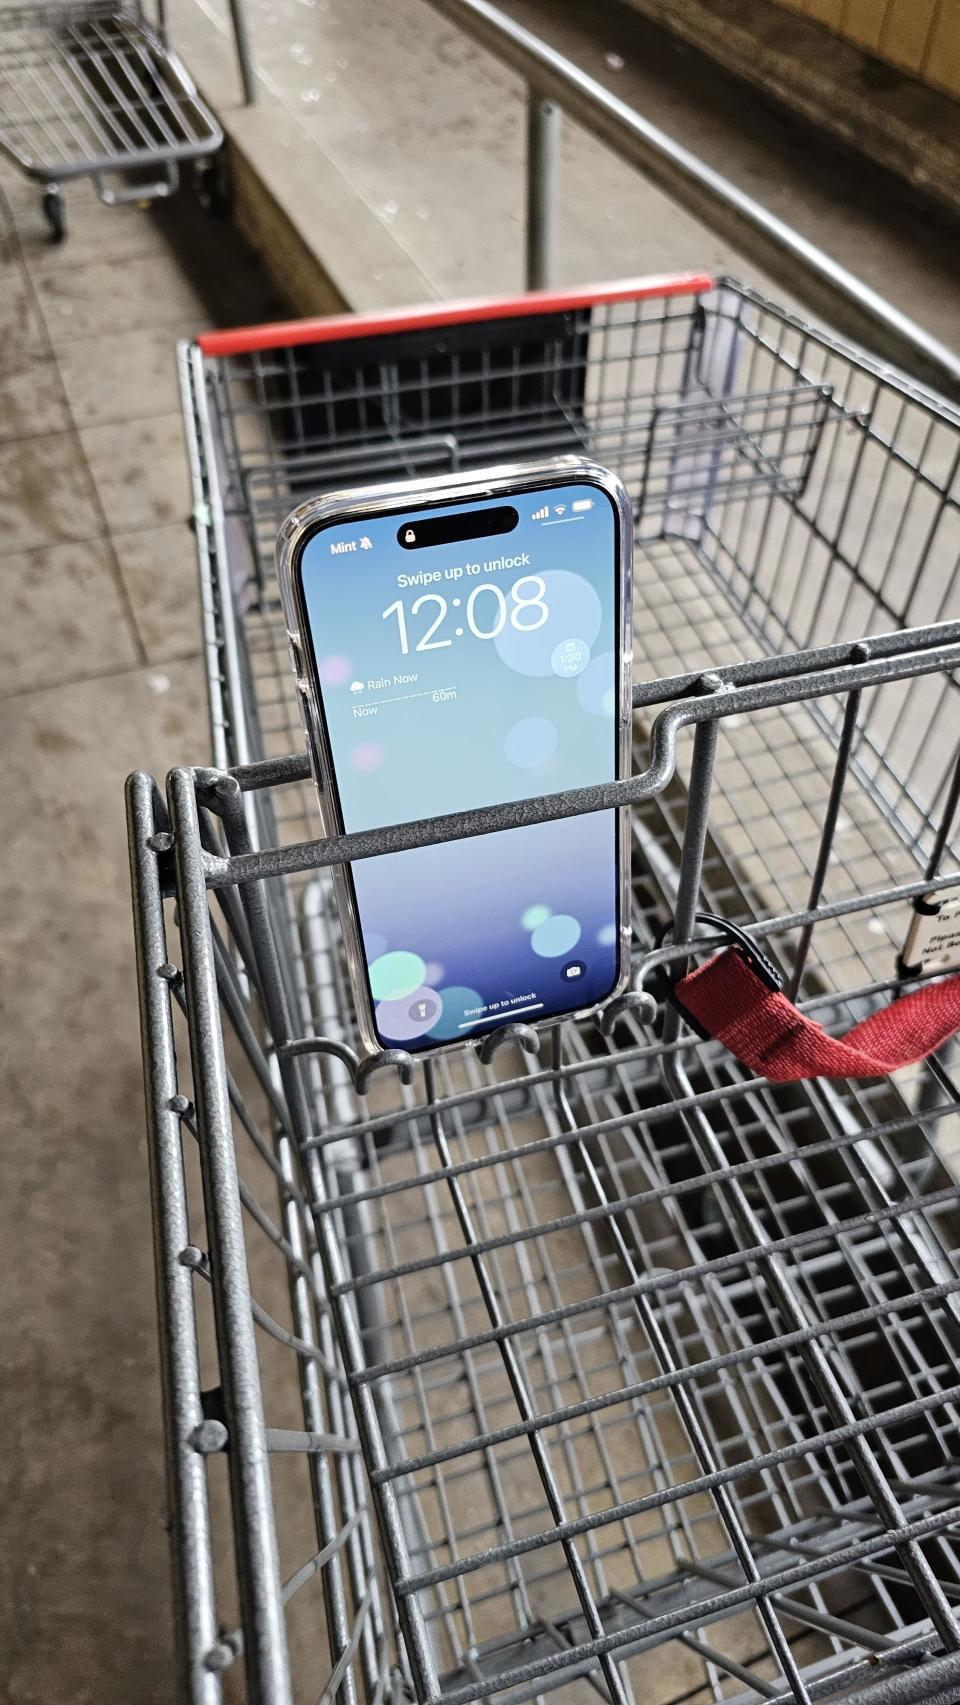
55	213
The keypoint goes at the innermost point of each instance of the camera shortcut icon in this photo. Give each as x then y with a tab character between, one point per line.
573	970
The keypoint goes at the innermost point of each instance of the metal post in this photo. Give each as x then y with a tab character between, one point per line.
694	841
241	37
543	180
254	1533
194	1599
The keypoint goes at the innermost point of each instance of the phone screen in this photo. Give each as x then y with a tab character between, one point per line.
461	674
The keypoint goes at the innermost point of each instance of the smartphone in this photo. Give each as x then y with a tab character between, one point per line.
464	642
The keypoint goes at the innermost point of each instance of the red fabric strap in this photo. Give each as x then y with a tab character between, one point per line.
767	1034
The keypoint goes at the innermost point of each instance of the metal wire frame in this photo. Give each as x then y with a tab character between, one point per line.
729	561
807	494
262	430
721	1316
91	90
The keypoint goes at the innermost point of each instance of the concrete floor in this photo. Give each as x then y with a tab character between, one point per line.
100	672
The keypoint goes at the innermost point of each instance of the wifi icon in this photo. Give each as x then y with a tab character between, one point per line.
559	509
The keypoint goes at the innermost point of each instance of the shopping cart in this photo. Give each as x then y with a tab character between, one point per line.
90	88
618	1372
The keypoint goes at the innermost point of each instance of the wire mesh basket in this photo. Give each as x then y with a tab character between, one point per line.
90	88
617	1372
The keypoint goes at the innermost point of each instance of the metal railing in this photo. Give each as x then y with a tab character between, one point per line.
555	86
244	51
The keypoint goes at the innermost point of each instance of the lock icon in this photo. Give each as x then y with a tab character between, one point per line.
409	536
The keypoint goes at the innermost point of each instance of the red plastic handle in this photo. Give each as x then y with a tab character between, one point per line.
284	334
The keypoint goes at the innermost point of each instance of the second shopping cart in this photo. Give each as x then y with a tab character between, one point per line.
92	88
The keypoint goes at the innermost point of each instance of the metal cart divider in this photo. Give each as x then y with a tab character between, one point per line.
90	88
649	1363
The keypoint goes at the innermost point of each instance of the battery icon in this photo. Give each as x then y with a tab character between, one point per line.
582	503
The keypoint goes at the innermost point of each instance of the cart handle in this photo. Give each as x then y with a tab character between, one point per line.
336	328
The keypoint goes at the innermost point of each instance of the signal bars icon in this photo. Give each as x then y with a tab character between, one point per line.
541	514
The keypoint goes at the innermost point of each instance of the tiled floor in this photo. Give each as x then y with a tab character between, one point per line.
99	672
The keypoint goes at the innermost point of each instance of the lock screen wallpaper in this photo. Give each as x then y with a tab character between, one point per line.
460	675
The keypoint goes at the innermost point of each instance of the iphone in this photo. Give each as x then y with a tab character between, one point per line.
458	643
